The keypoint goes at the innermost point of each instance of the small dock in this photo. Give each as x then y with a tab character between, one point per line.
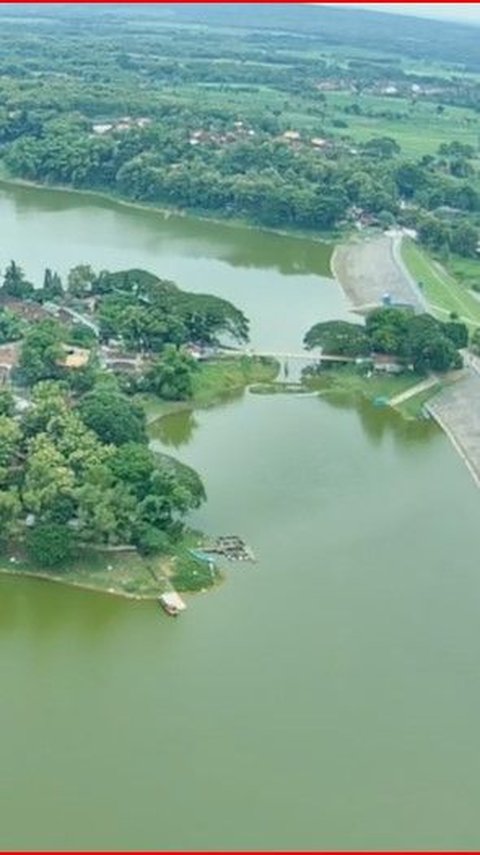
172	603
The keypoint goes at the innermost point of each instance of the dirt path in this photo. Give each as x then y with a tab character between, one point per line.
414	390
369	269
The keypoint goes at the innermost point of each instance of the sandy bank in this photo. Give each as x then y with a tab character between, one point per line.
367	269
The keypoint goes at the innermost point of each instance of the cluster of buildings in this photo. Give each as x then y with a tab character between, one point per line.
295	138
126	123
240	131
400	88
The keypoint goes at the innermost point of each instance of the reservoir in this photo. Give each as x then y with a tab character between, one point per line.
327	697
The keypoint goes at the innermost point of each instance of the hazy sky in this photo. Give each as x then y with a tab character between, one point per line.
467	12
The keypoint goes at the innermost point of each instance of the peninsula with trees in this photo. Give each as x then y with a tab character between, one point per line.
83	497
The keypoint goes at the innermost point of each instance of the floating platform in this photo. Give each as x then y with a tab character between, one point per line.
230	546
171	603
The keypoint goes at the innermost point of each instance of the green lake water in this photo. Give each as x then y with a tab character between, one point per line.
326	697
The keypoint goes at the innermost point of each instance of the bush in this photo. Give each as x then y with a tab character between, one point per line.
50	544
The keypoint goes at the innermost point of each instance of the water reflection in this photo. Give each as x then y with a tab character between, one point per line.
237	246
46	610
379	422
176	429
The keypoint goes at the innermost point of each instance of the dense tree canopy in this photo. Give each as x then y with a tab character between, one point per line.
147	313
112	416
62	484
171	375
339	337
420	341
41	351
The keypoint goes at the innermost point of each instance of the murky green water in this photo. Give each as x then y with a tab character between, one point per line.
327	697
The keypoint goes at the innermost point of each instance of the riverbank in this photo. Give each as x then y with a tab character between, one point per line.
127	573
123	573
327	238
369	269
361	268
214	382
351	385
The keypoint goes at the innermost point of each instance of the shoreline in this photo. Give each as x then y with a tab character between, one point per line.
367	269
261	371
48	577
264	370
452	410
327	238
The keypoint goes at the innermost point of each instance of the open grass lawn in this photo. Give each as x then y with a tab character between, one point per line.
348	384
465	270
221	377
418	130
350	381
443	292
214	381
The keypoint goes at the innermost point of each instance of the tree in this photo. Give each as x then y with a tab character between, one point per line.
410	178
11	327
133	464
387	329
170	377
15	284
112	416
381	147
10	438
80	281
475	341
50	544
429	349
48	477
433	233
457	332
206	318
7	403
52	285
339	338
10	514
464	239
41	352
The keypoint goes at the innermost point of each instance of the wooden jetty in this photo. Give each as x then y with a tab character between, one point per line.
171	603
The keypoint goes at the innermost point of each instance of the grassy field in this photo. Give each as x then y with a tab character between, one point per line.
417	128
443	292
213	382
351	381
349	384
465	270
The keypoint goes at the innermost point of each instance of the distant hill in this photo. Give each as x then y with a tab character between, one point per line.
418	38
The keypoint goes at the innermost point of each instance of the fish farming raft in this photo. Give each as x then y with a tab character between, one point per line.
230	546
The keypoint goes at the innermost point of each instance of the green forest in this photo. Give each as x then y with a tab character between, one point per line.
299	128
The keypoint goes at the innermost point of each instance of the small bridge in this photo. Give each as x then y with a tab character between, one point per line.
309	356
